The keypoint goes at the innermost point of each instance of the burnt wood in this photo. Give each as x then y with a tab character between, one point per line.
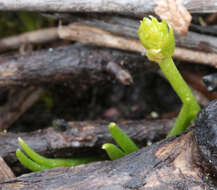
165	165
75	64
187	161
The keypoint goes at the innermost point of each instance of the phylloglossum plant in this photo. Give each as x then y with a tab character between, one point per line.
158	39
126	145
35	162
159	42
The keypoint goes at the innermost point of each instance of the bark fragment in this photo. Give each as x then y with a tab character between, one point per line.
5	171
122	75
175	14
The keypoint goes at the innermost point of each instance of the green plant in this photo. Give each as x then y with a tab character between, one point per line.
125	143
36	162
158	40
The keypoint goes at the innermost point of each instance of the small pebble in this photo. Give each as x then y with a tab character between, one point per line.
154	114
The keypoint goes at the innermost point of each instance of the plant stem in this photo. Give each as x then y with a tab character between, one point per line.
190	106
182	122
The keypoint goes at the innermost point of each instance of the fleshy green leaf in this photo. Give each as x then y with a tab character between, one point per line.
122	139
113	151
26	162
51	162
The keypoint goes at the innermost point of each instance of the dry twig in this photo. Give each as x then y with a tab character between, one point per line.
20	101
121	74
41	36
66	64
93	35
79	61
125	27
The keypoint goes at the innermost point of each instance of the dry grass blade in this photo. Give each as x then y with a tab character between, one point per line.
41	36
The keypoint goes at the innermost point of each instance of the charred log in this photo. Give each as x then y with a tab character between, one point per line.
65	64
175	163
165	165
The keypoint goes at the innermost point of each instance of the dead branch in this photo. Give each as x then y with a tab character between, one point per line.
196	41
5	171
210	81
128	27
117	25
20	100
75	138
41	36
196	56
122	75
87	63
187	161
97	36
165	165
93	35
65	64
126	7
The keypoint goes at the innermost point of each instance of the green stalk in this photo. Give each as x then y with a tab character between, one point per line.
190	106
177	82
159	42
182	122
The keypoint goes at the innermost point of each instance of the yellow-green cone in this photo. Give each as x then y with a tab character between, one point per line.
157	38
